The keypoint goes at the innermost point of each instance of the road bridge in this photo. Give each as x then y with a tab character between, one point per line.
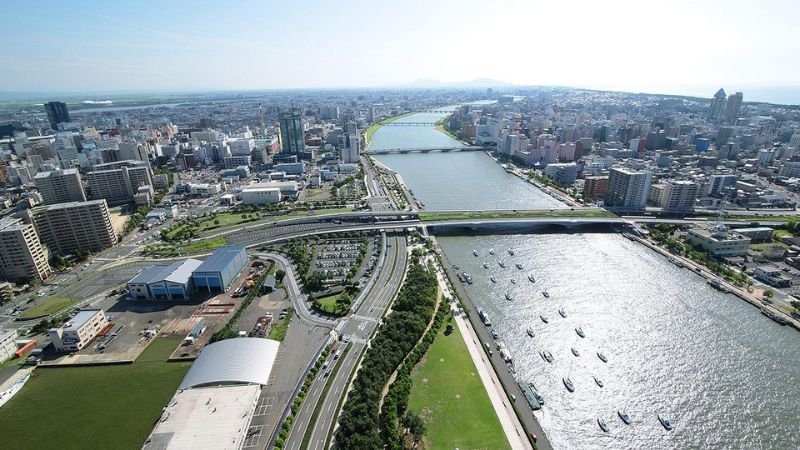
464	148
399	123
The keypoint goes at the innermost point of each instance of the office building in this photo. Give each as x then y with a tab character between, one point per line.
719	241
67	228
164	281
60	186
56	113
728	151
733	106
717	107
292	134
627	189
220	269
595	186
563	174
679	196
352	153
22	256
260	195
78	331
119	182
718	184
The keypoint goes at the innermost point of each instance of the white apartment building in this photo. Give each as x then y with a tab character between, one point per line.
22	256
78	331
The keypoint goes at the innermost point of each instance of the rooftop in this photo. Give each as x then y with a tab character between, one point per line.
233	361
220	258
81	318
176	272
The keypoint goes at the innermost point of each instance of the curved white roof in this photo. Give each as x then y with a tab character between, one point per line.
233	361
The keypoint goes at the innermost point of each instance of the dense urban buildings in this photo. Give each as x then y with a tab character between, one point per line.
67	228
22	256
60	186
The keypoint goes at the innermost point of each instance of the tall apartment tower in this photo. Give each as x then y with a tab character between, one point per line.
60	186
733	106
717	107
627	189
67	228
679	196
22	256
292	134
56	113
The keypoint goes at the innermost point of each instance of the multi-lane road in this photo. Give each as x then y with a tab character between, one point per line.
357	330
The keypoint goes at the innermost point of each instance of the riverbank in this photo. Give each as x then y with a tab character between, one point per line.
557	194
477	333
376	126
730	288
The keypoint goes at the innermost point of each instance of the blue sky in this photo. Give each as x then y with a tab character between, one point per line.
681	46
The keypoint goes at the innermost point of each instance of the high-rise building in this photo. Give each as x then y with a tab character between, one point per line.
118	182
733	106
22	256
351	154
60	186
627	189
292	133
67	228
717	106
679	196
56	113
717	184
595	186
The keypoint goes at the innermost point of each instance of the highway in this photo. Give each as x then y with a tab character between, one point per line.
358	328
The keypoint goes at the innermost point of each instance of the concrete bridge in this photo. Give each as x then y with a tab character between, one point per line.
400	123
384	151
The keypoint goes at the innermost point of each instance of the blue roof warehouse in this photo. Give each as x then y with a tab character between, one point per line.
221	268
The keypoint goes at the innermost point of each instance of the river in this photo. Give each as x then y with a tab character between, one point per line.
725	375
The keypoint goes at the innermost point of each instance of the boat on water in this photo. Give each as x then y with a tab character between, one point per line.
568	384
530	397
467	278
580	332
484	318
501	263
546	355
511	252
562	312
598	381
539	397
775	317
603	424
530	332
546	294
493	279
519	266
456	267
677	262
624	416
475	252
544	319
717	284
575	351
491	251
665	422
461	277
531	279
602	357
485	265
495	336
509	297
513	281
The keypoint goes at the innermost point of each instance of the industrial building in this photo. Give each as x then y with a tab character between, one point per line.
67	228
60	186
222	387
22	255
78	331
164	281
260	195
220	269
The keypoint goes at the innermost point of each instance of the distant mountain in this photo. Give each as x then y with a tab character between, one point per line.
475	83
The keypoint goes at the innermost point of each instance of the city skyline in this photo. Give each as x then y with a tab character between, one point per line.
204	47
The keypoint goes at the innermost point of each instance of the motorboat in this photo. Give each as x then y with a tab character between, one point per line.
519	266
598	381
491	251
509	297
544	319
493	279
547	356
536	394
495	335
475	252
546	294
530	332
511	252
513	281
665	422
603	425
485	318
531	279
575	351
456	267
624	416
580	332
501	263
485	265
568	384
602	357
562	312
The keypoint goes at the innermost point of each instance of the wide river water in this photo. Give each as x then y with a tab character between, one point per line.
724	374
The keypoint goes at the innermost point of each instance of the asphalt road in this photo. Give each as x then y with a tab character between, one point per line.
358	328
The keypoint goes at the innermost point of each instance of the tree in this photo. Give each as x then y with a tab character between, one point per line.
343	302
415	426
279	274
216	221
768	293
795	304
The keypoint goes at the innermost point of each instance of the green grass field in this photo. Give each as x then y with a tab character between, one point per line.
328	302
93	407
425	216
49	306
449	396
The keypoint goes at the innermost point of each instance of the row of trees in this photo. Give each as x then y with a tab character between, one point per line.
395	339
231	329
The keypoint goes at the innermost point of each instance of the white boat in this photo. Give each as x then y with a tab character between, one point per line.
511	252
485	265
502	263
519	266
475	252
531	278
491	251
513	281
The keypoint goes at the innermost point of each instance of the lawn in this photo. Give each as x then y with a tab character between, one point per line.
49	306
779	233
279	328
328	302
448	394
93	407
425	216
206	245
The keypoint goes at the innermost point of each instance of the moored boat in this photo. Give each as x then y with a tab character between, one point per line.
568	384
665	422
493	279
598	381
511	252
519	266
562	312
530	332
602	357
603	425
531	279
544	319
546	294
509	297
575	351
475	252
624	416
491	251
580	332
501	263
485	265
